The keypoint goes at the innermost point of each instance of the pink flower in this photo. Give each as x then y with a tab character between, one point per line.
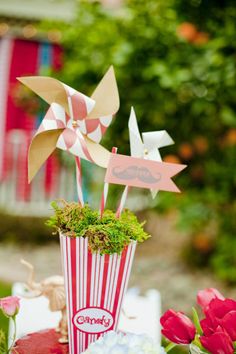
220	313
218	343
217	309
204	297
177	327
207	326
229	324
10	305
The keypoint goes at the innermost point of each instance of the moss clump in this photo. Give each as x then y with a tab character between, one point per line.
107	235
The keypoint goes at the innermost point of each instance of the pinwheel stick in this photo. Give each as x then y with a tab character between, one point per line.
105	190
79	180
78	163
122	201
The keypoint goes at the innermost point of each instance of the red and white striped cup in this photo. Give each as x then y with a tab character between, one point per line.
95	286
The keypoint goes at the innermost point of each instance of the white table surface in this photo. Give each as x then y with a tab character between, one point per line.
140	314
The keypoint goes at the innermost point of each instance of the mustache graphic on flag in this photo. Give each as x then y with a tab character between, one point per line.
132	172
138	172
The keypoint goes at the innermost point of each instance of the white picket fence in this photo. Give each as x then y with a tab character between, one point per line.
38	203
39	200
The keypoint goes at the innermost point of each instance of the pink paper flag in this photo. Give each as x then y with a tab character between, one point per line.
136	172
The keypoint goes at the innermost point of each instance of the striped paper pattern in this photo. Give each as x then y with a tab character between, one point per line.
93	284
71	138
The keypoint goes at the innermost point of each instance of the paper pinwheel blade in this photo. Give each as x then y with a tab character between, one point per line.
74	122
148	146
103	102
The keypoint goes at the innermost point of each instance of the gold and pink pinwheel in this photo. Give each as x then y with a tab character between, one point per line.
73	122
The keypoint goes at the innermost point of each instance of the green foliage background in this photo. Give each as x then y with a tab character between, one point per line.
176	82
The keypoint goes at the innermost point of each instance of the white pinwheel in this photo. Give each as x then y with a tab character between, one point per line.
148	146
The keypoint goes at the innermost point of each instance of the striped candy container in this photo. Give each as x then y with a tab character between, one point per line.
95	286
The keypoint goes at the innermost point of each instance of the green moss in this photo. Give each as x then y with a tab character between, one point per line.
106	235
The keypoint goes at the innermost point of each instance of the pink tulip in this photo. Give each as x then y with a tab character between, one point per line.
217	309
177	327
207	327
220	313
10	305
218	343
228	322
204	297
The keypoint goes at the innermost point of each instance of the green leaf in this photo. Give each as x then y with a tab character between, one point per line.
196	321
169	347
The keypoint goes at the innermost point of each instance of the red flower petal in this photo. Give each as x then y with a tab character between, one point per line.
218	343
217	309
177	327
229	324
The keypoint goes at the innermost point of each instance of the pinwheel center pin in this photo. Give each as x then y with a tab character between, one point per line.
74	123
145	151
